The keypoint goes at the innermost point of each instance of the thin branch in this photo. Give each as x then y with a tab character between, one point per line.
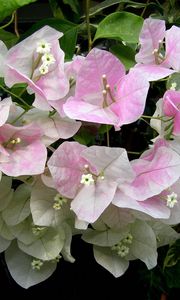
16	96
16	24
11	20
88	25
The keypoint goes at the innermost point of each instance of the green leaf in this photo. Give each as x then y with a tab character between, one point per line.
110	261
85	136
125	54
19	265
70	30
73	4
104	128
56	10
173	276
107	3
47	247
8	7
8	38
120	26
19	207
173	82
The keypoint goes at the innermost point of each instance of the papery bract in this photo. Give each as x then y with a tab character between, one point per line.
104	94
3	53
21	151
66	166
156	170
152	62
5	105
54	127
23	60
171	108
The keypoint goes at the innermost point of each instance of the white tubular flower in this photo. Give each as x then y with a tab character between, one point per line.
59	201
43	47
128	239
120	249
87	179
123	251
173	86
36	264
48	59
43	69
171	200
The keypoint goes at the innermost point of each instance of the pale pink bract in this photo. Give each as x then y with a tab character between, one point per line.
104	94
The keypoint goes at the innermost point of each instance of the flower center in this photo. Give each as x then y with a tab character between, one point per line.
159	53
121	248
59	201
107	93
171	200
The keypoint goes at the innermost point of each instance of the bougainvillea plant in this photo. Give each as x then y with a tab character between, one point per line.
62	172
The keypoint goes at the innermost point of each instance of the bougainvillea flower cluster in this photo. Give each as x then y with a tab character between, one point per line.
53	186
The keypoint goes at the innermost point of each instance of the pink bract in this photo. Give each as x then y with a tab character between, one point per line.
3	53
154	173
21	150
19	68
151	61
171	108
66	166
104	94
5	105
108	166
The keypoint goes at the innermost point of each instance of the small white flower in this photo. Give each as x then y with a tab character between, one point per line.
173	86
48	59
36	230
123	251
36	264
43	47
59	201
87	179
171	199
128	239
43	69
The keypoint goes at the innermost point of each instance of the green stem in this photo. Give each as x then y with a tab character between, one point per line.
134	152
150	117
107	136
11	20
16	96
16	119
145	121
142	14
157	118
88	25
16	25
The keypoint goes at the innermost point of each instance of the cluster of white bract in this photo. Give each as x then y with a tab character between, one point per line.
44	48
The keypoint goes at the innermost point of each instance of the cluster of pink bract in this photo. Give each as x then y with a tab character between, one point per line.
126	209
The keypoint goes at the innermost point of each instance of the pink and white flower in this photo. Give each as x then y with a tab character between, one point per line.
39	61
104	94
151	59
21	150
90	176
